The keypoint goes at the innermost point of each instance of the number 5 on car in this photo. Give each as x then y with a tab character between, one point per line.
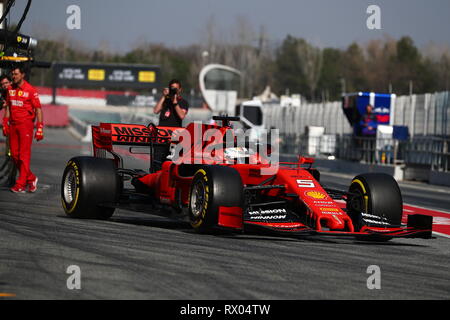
305	183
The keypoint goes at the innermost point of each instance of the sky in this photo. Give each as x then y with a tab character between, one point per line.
121	24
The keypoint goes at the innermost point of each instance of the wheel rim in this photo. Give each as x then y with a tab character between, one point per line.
358	201
70	187
198	197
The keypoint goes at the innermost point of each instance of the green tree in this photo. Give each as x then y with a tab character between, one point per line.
298	66
354	69
331	73
410	68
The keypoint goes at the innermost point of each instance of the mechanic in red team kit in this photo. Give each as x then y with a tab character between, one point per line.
22	109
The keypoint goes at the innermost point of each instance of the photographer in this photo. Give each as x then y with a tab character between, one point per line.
172	107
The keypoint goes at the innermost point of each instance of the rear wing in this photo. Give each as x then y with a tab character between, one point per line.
106	135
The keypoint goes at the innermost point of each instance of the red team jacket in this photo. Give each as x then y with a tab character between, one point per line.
22	102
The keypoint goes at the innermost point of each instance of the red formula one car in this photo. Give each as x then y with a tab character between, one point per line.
216	185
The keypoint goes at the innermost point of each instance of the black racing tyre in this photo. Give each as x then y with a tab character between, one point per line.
87	183
376	201
213	186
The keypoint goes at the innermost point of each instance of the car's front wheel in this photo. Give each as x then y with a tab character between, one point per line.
375	200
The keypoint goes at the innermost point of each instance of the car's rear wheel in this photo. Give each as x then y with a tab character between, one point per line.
88	185
213	186
375	200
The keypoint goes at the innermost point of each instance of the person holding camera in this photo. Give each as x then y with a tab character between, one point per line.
172	108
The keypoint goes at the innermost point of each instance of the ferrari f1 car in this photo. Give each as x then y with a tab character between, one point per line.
234	193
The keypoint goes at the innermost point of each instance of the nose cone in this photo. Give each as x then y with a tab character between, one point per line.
332	222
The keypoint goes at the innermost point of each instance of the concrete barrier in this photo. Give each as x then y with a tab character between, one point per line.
344	166
80	129
439	178
55	115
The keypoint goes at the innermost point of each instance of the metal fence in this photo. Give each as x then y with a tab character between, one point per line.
294	119
426	116
429	151
346	147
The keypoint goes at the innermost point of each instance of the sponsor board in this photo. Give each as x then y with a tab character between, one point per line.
106	75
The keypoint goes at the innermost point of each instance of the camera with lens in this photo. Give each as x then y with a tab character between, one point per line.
172	92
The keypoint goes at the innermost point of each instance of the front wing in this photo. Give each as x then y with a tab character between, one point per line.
418	226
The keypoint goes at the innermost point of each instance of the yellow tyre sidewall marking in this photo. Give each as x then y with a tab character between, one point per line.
77	182
205	207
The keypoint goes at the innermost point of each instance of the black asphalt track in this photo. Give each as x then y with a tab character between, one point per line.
140	256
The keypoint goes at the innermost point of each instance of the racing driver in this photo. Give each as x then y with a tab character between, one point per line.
22	109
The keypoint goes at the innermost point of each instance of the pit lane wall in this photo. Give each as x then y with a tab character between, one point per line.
400	172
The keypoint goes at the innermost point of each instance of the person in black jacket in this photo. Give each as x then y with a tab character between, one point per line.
172	108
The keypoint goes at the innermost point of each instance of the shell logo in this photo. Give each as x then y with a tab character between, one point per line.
316	194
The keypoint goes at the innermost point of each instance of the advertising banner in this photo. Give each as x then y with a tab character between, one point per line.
106	75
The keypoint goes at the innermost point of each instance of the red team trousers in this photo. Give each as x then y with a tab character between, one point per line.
20	140
23	101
